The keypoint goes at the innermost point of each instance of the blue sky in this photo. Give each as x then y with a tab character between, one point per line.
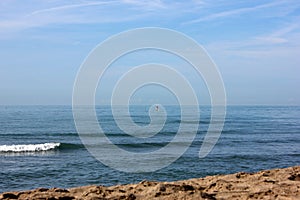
255	44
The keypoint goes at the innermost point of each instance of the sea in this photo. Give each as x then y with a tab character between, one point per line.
40	146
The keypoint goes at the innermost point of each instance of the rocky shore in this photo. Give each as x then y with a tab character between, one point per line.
268	184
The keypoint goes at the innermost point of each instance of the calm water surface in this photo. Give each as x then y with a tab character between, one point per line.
254	138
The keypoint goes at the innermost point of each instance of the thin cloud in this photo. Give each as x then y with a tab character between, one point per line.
147	5
283	41
69	14
72	6
234	12
285	30
279	36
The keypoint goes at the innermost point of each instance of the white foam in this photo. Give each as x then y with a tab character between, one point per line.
29	147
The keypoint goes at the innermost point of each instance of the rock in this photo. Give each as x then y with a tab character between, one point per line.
188	187
61	190
269	181
9	196
131	197
208	196
42	189
161	188
269	184
66	198
294	177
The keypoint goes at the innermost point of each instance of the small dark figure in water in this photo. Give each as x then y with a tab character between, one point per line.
156	108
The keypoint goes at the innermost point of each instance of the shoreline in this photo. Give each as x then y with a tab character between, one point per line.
270	184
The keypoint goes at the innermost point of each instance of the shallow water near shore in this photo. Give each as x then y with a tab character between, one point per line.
52	155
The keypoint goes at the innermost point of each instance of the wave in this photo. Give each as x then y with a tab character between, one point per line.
28	147
69	146
31	148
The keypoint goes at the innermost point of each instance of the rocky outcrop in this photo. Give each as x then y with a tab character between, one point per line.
268	184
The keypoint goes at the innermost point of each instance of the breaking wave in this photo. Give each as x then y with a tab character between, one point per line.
28	147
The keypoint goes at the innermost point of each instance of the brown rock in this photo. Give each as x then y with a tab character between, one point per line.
9	196
188	187
294	177
269	184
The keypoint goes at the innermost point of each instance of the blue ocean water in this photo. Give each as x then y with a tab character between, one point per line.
39	145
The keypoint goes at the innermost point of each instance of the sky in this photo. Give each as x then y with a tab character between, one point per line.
255	45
